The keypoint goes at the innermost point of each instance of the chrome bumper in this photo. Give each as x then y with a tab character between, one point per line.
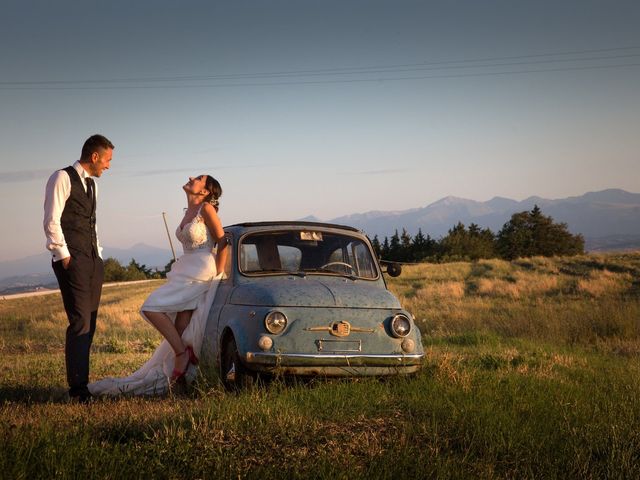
332	360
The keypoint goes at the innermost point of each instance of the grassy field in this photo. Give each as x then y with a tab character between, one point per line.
532	371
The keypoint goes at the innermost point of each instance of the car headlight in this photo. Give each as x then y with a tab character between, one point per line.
400	325
275	322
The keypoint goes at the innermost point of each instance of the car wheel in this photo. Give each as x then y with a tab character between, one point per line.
235	376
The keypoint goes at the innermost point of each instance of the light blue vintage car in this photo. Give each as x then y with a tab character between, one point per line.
306	298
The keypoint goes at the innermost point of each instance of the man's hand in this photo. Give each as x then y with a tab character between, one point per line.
65	262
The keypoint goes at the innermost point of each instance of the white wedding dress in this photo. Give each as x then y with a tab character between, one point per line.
191	285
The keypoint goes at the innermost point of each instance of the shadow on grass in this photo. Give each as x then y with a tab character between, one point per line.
583	267
32	395
58	395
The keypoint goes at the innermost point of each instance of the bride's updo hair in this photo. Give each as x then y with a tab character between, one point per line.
214	187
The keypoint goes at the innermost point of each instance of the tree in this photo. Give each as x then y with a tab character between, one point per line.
405	253
377	248
528	234
394	247
422	247
113	271
135	271
481	243
472	244
167	269
384	250
454	244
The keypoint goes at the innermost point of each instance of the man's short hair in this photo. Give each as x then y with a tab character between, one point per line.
93	144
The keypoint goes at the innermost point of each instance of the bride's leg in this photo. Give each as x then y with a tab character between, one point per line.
168	330
182	321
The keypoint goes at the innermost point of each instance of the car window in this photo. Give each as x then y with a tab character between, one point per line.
289	257
228	255
306	252
256	257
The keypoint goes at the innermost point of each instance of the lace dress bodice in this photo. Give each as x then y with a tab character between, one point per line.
195	235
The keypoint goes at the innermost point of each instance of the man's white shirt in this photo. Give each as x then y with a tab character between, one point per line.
56	194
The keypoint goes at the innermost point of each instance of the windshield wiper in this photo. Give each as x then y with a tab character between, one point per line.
268	271
331	272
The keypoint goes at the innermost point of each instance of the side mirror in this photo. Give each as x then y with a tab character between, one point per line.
394	269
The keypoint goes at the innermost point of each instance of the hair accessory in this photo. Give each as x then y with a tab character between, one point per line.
214	202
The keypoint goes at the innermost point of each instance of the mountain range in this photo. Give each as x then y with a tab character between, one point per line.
608	219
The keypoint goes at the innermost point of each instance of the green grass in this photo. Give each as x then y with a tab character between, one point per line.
532	370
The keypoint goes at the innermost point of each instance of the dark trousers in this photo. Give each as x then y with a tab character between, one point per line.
81	287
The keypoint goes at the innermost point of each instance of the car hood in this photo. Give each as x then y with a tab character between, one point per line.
313	292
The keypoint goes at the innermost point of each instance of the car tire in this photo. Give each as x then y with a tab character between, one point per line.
235	376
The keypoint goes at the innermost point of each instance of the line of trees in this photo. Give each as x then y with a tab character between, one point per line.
114	271
526	234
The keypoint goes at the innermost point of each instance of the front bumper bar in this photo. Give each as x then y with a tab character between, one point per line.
270	359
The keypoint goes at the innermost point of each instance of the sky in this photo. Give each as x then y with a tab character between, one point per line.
323	108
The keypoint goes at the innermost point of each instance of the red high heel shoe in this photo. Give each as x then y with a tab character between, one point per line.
178	375
192	356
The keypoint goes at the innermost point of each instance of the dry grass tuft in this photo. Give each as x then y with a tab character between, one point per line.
520	284
123	315
604	282
451	369
441	290
497	288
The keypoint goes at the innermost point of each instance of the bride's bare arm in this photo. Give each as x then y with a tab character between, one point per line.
213	223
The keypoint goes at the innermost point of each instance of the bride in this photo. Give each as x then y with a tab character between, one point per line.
179	308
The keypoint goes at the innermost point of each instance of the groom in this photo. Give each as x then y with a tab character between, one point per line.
70	228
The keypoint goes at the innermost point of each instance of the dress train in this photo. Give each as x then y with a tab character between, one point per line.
152	378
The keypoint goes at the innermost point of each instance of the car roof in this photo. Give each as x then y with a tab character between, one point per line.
297	223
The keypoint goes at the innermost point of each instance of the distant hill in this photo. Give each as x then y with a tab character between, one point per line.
617	243
34	272
608	219
28	283
143	254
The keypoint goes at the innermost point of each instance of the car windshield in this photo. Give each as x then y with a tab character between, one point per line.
303	252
